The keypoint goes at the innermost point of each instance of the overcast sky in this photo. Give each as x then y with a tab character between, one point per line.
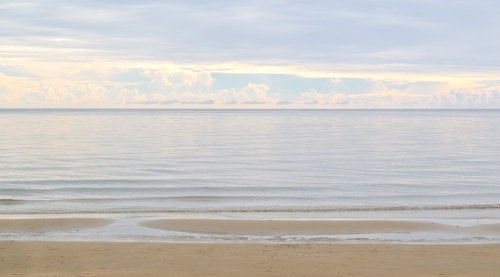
250	54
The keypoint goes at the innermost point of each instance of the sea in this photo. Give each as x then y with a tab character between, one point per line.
438	164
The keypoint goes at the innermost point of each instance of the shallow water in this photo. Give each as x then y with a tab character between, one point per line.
127	228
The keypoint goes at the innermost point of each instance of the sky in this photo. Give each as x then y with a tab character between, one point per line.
250	54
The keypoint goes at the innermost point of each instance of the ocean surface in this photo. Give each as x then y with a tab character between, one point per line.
248	161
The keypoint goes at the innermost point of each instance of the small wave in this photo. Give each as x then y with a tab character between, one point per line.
320	210
278	210
10	201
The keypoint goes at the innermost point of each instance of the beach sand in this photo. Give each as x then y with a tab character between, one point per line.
245	259
37	258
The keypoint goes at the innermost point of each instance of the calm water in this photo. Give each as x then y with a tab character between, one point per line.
63	161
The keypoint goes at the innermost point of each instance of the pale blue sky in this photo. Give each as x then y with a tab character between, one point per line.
324	54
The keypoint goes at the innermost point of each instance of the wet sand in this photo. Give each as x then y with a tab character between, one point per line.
50	224
245	259
291	227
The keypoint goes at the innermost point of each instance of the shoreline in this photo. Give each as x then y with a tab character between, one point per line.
149	246
230	230
245	259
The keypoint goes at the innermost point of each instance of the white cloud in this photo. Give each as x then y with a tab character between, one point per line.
249	93
78	94
177	87
157	97
462	98
390	98
314	97
118	94
169	86
336	80
181	79
256	92
186	96
49	92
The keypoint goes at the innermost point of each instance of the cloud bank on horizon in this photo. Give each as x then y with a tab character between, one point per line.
263	54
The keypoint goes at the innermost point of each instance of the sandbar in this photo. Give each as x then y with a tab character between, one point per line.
290	227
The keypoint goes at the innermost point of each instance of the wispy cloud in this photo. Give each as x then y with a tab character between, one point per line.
285	102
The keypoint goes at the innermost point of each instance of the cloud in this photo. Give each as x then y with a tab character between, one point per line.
355	36
312	102
373	54
164	87
119	94
73	94
180	79
70	93
169	102
485	98
150	87
461	98
206	102
145	102
253	102
254	92
314	97
251	92
336	80
284	102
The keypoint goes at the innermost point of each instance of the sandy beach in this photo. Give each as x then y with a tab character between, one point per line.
157	259
72	258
